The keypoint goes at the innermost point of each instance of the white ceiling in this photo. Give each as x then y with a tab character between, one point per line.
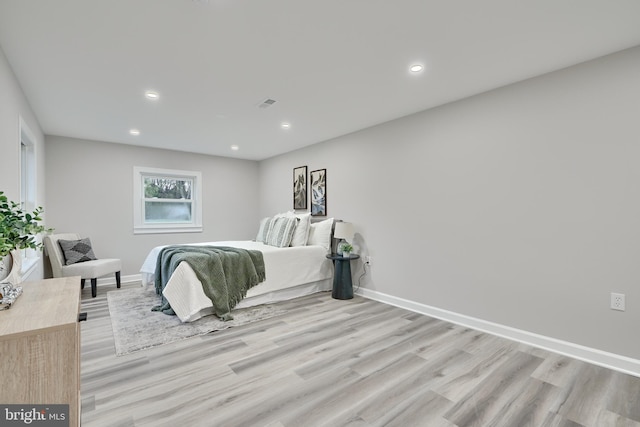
333	66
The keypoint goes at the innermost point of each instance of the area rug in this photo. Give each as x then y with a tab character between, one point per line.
136	327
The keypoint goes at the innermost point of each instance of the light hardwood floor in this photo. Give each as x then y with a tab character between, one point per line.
336	363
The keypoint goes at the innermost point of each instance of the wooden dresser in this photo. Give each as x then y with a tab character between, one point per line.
40	346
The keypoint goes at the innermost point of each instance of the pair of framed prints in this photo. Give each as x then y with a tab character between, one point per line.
318	180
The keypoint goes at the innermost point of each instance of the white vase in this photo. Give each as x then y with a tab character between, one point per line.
5	266
10	268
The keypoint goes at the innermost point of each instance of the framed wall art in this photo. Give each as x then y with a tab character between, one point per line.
300	188
318	180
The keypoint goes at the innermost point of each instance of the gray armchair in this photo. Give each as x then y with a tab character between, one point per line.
86	270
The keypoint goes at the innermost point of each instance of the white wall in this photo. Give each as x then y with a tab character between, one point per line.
90	192
13	106
520	206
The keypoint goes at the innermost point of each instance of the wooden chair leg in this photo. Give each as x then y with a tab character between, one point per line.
118	279
81	283
94	287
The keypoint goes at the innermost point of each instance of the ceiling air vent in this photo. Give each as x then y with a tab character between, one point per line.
267	103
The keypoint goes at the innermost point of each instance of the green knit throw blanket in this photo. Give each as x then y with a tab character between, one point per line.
226	273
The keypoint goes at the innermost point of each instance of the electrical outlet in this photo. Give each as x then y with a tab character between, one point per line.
367	260
617	301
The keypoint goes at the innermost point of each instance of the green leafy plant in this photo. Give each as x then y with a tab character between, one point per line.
346	247
17	227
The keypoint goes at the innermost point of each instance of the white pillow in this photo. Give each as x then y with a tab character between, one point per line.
281	232
320	234
284	214
301	233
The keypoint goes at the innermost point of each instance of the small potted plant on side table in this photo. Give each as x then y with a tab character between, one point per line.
346	249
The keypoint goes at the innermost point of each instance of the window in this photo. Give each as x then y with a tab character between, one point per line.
28	182
167	201
26	176
27	170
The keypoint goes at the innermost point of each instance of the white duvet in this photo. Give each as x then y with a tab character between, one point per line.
290	272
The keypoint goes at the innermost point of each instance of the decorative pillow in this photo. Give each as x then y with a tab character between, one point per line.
281	232
284	214
263	231
301	233
75	251
320	234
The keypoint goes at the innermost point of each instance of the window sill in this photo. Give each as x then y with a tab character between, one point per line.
28	266
160	230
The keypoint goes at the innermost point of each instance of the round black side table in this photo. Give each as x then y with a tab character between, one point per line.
342	285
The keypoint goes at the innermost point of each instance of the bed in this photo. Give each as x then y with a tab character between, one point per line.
291	271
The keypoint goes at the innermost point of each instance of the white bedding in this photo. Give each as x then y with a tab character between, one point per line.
290	272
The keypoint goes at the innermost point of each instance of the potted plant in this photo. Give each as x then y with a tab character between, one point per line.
17	231
346	249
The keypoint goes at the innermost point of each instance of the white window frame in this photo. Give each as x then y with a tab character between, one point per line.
139	224
28	183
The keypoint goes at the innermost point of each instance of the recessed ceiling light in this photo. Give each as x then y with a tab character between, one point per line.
151	95
235	147
416	68
134	132
285	125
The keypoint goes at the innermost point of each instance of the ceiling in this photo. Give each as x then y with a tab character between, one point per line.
332	66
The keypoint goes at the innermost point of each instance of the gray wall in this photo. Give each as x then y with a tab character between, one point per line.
13	106
520	206
90	191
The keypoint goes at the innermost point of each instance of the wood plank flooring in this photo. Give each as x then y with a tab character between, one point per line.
343	363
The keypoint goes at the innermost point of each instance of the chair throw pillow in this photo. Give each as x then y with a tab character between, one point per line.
75	251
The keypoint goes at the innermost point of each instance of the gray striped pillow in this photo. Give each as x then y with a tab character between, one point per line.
281	232
265	227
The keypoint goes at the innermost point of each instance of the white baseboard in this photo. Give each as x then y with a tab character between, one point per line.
613	361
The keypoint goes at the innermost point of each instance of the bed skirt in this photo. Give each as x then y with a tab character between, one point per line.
192	307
